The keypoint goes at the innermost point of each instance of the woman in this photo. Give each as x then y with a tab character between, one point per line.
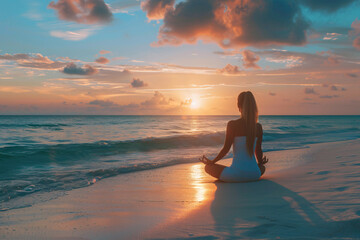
245	134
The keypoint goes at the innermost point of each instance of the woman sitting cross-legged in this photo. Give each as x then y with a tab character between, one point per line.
245	134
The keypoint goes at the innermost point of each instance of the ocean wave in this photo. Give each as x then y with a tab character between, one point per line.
10	189
293	132
32	125
62	153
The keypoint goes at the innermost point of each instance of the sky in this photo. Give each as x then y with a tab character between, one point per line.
179	57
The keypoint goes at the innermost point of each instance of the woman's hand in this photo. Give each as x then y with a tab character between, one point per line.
264	160
205	160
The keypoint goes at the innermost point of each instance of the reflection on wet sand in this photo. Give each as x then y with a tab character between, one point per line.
197	176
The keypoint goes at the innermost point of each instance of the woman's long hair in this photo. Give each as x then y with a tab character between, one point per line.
249	113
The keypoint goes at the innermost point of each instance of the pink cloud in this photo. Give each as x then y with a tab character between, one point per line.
103	52
32	61
156	9
250	59
355	25
356	43
355	32
158	102
230	69
82	11
14	57
331	60
102	60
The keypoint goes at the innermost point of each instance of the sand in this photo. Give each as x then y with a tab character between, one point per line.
317	199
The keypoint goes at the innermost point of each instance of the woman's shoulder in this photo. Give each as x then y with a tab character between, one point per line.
235	122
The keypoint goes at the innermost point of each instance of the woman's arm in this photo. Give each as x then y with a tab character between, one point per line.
229	138
258	149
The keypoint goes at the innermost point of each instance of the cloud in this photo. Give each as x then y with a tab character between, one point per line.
356	43
250	59
137	83
234	23
326	5
103	103
126	71
156	9
102	60
72	35
332	36
35	60
137	61
157	100
230	69
83	11
289	61
13	89
228	53
351	75
329	96
355	26
14	57
310	62
310	91
158	103
334	88
331	61
186	102
72	68
103	52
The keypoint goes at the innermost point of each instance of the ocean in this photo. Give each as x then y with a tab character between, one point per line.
42	154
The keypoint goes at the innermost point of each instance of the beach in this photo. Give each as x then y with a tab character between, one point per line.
317	199
109	110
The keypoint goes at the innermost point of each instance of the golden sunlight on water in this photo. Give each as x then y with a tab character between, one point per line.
194	125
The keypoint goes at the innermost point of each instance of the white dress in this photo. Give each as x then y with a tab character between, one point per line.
244	167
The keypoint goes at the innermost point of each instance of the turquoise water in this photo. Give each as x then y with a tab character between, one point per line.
51	153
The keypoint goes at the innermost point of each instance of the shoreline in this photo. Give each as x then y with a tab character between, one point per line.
165	202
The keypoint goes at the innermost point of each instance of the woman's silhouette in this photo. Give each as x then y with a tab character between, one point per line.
245	134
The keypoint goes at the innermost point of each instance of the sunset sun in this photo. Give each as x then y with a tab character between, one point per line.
194	104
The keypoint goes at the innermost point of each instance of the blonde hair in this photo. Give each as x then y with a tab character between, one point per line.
249	112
